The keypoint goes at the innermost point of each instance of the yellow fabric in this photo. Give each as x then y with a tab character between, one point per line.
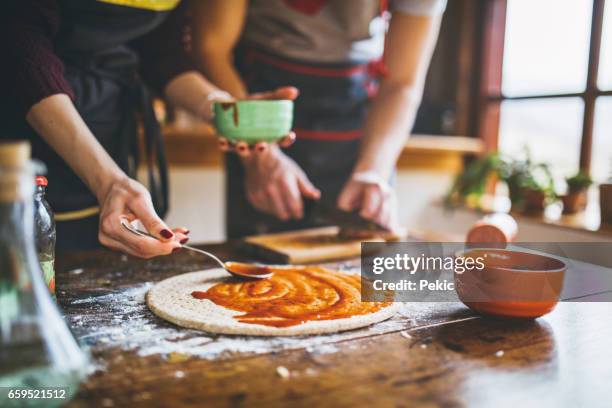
155	5
77	215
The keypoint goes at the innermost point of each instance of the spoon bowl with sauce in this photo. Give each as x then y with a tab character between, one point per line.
238	269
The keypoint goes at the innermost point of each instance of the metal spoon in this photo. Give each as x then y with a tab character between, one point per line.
238	269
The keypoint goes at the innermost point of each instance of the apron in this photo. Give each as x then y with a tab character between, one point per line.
111	100
329	116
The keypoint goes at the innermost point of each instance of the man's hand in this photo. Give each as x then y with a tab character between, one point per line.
375	199
275	184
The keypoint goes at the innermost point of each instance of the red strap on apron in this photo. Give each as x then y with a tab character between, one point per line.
328	135
340	72
310	7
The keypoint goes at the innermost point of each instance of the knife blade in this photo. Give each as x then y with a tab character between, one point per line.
350	222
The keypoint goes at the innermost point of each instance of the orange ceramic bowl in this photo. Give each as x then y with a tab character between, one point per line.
512	283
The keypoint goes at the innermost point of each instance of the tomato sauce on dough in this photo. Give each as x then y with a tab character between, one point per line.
293	296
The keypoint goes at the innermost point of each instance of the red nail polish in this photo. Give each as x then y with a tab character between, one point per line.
187	232
176	249
166	233
184	241
287	141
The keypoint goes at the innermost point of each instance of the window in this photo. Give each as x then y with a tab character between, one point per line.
551	89
605	64
546	47
550	128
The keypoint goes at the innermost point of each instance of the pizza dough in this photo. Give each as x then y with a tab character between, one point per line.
172	300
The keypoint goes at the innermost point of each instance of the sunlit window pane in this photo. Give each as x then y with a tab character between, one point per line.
601	160
547	46
550	128
605	64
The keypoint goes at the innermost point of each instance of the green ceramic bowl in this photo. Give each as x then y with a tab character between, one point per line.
254	121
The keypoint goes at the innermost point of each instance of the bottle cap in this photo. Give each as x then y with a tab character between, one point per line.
41	181
14	159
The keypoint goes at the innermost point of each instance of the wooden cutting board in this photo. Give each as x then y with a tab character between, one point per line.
304	246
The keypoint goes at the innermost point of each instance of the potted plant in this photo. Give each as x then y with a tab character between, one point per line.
536	188
575	200
471	183
530	185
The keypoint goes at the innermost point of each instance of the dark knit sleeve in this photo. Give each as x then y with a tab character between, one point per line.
165	52
32	71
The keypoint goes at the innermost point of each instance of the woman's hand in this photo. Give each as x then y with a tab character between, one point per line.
375	199
275	184
128	199
242	148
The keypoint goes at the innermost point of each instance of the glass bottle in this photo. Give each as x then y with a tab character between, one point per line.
44	232
37	350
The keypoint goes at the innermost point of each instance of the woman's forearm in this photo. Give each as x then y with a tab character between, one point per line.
57	121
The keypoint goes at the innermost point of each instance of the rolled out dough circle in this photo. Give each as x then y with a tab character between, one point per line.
171	300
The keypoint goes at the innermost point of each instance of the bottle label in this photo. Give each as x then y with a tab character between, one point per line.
49	274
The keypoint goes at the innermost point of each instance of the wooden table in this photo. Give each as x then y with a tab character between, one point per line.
443	356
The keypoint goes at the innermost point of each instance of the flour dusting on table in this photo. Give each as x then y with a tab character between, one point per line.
122	320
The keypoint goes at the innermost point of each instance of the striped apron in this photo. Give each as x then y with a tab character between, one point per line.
328	120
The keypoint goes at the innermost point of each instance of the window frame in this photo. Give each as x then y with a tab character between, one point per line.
490	96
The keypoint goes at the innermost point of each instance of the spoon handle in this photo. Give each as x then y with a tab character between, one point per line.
141	233
201	251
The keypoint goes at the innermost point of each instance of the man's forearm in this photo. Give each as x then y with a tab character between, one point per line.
191	91
218	66
57	121
387	128
217	29
409	45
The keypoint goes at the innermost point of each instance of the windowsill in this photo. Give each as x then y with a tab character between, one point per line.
586	221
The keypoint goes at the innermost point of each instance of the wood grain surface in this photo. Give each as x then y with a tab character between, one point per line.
446	356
